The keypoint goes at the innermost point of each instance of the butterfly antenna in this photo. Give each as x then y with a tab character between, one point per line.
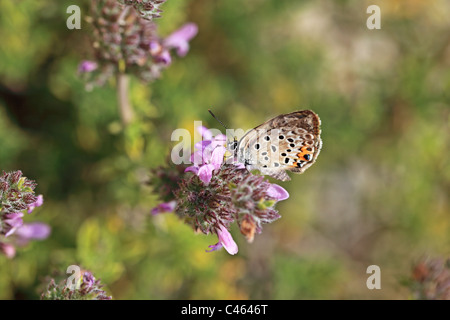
209	110
235	142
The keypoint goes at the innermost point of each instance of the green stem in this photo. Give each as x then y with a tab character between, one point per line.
125	109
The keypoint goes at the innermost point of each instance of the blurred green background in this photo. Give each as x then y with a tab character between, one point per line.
378	193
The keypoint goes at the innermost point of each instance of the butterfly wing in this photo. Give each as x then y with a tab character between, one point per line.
288	142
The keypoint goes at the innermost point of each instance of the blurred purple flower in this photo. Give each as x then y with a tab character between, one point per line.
16	196
90	289
8	250
32	231
164	207
123	32
86	66
39	202
159	53
88	279
179	40
11	221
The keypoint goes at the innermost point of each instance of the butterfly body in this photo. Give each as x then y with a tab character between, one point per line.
288	142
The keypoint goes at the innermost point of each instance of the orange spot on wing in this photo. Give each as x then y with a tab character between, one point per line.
303	152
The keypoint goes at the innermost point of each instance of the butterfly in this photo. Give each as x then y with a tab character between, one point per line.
288	142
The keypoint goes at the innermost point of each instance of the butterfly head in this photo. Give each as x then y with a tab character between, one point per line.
232	146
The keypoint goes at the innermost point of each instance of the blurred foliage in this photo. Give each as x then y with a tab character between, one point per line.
378	194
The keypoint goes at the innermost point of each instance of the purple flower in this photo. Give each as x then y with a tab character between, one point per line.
179	39
90	289
128	34
88	279
39	202
159	53
214	247
164	207
208	156
11	221
87	66
213	163
32	231
225	240
220	193
16	196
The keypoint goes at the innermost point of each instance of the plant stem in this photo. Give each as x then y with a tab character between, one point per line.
125	109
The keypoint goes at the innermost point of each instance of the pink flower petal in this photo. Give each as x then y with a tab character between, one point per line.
179	39
226	240
205	132
35	230
8	250
201	145
217	157
277	192
164	207
164	57
197	157
205	173
214	247
240	165
87	66
39	202
11	225
13	216
193	169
